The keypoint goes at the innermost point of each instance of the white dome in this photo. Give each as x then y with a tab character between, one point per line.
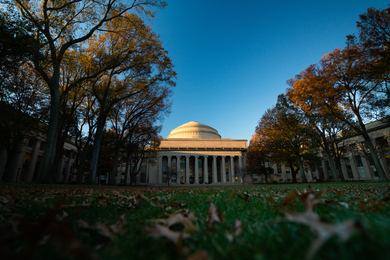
194	130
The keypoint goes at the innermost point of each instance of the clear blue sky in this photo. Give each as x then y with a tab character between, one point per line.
233	58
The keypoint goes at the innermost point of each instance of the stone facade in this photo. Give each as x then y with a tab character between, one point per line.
194	153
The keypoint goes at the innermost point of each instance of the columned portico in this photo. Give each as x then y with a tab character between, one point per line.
201	157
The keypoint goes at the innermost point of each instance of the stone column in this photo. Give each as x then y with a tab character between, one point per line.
354	168
196	170
231	169
241	169
33	161
169	168
187	169
59	177
367	168
284	174
160	179
223	170
178	169
70	162
215	179
205	169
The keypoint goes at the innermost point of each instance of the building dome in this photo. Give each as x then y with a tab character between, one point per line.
194	130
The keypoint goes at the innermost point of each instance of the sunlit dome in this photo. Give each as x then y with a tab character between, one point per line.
194	130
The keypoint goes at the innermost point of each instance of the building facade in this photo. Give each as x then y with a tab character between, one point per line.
195	154
29	161
356	163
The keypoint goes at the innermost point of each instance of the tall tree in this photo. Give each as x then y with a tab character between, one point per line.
22	96
61	26
144	65
374	37
350	89
286	133
258	155
328	128
143	109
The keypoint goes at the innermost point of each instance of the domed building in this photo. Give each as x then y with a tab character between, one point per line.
195	153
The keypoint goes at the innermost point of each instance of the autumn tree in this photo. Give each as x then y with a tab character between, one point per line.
62	26
22	96
374	37
144	108
143	67
287	133
328	128
142	146
258	155
350	90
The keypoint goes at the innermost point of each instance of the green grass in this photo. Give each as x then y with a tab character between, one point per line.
42	222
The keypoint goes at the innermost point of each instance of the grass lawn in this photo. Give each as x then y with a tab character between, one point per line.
323	221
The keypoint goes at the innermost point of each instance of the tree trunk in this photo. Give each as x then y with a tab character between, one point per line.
339	169
331	160
48	170
114	167
300	163
374	156
127	171
293	174
96	148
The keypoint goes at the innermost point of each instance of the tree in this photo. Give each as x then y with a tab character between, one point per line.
144	66
350	90
258	155
22	105
144	108
286	133
22	96
60	27
142	146
327	128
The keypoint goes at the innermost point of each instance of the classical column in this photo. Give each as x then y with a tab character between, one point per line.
205	169
284	174
196	170
231	169
70	161
187	169
169	169
160	178
34	157
215	180
178	169
223	170
354	168
240	168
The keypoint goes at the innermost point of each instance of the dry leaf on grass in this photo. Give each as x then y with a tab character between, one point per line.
213	216
199	255
158	230
323	229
